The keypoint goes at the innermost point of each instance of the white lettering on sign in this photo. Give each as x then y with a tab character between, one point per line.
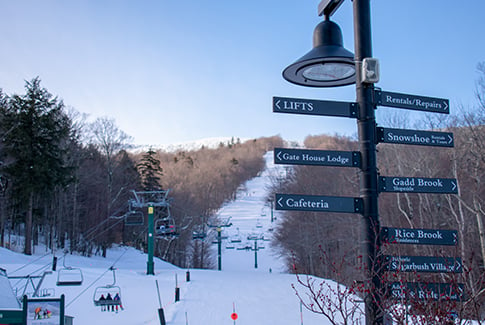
338	159
307	157
302	203
298	106
401	182
414	102
430	183
430	235
391	137
287	156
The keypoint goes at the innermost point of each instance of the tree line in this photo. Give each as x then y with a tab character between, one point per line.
68	182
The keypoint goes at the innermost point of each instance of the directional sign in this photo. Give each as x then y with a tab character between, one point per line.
317	157
424	264
419	236
318	203
419	103
427	291
418	185
422	138
314	107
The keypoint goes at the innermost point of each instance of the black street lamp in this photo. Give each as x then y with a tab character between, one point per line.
328	64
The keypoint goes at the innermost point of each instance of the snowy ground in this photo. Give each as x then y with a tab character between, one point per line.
257	295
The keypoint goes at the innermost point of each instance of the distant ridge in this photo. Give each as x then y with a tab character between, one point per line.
211	143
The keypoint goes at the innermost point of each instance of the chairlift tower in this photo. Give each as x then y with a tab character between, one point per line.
152	200
219	226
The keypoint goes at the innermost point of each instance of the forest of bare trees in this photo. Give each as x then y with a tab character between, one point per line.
67	183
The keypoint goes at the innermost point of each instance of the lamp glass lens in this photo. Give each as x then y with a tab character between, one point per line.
328	71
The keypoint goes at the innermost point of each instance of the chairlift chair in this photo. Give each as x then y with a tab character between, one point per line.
134	218
103	291
198	235
69	276
165	227
236	239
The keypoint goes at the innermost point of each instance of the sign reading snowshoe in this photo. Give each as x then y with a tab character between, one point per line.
317	157
422	138
314	107
424	264
419	236
418	185
318	203
427	291
415	102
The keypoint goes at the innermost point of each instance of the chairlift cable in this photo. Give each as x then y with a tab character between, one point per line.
89	286
31	262
92	283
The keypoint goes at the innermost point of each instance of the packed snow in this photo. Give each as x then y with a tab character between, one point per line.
253	282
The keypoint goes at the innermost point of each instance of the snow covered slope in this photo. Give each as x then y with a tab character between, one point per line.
258	295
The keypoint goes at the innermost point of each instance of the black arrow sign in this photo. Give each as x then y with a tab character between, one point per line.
415	137
317	157
429	264
318	203
314	107
419	236
418	185
427	291
415	102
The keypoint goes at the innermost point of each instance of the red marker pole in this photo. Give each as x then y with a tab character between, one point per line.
234	314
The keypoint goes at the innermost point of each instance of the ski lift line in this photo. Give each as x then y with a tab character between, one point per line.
91	230
31	262
95	236
101	233
97	279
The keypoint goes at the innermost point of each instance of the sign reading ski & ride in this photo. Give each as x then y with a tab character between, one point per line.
427	291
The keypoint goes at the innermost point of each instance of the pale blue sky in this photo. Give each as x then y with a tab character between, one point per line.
171	71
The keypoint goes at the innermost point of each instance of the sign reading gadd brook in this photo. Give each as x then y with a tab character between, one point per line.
418	185
318	203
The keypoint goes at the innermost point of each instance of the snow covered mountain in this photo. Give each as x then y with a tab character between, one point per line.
211	143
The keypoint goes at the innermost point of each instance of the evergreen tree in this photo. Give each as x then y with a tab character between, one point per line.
36	137
150	171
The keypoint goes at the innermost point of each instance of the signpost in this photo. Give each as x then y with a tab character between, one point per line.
427	291
418	185
415	102
415	137
429	264
318	203
314	107
419	236
317	157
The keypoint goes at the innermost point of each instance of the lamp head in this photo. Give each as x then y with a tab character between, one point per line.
328	64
